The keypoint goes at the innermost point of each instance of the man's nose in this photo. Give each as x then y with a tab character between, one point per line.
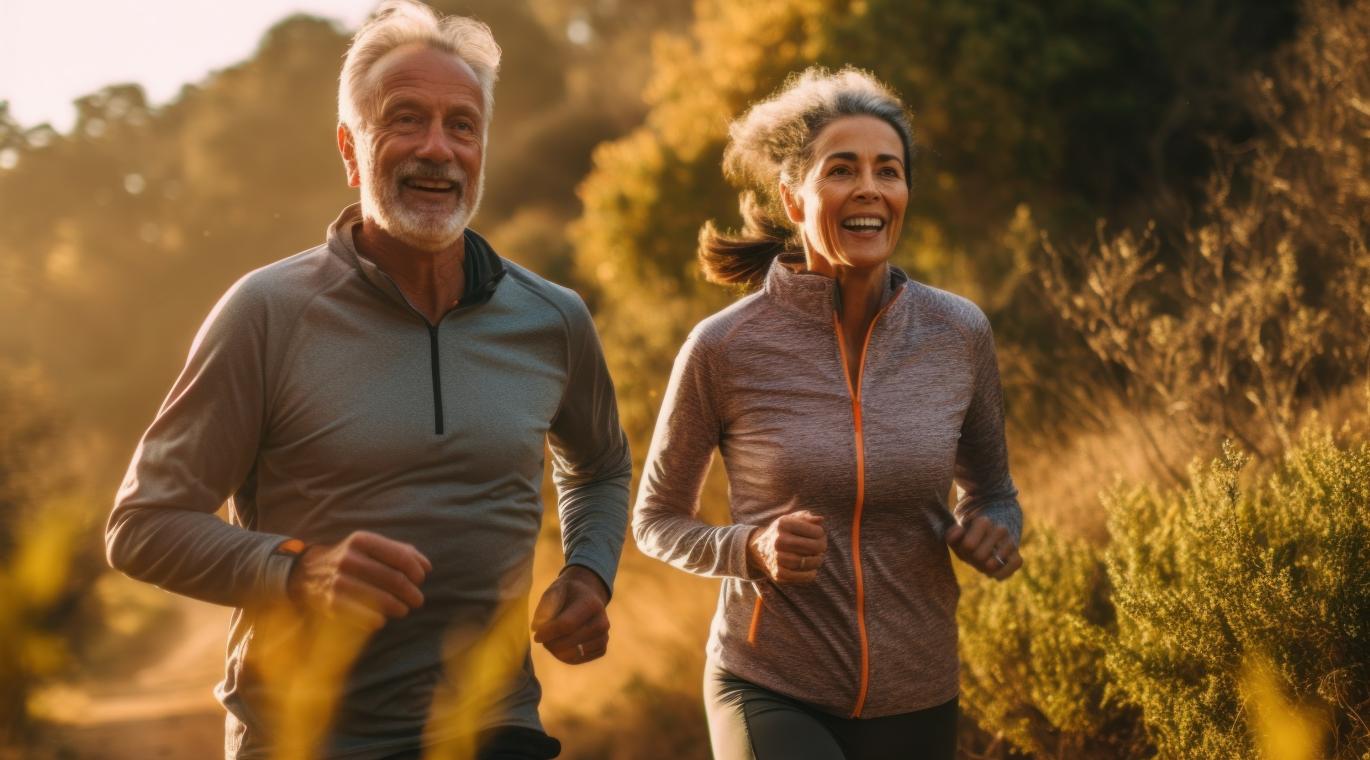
436	146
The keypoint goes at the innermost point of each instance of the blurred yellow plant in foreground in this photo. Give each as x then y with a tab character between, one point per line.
480	664
32	584
303	663
1283	729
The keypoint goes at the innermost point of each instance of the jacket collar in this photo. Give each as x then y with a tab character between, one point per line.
482	266
813	294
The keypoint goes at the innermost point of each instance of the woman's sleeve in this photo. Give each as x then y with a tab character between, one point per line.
665	522
982	475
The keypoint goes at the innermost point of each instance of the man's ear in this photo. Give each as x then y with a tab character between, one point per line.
794	209
348	148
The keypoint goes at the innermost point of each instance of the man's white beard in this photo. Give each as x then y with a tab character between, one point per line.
423	230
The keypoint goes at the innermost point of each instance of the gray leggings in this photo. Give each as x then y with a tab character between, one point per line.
748	722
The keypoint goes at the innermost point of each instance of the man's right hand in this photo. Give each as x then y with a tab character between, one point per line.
365	577
790	549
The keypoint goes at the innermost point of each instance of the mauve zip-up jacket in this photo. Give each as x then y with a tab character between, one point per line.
319	400
765	382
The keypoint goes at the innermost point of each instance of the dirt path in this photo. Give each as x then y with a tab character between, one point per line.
165	710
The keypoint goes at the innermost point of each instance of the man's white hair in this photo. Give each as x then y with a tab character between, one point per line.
397	23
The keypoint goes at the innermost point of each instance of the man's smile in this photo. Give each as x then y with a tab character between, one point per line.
430	185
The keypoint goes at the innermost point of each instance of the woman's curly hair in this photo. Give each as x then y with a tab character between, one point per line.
773	143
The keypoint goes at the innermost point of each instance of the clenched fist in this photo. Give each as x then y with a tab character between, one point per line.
571	619
790	549
986	546
365	577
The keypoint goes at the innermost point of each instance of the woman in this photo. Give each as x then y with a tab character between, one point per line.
845	399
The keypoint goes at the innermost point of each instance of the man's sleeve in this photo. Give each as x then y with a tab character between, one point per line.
982	474
200	449
590	459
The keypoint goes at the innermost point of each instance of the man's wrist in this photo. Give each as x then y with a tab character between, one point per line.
293	549
589	577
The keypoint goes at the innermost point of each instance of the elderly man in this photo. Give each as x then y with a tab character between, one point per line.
376	409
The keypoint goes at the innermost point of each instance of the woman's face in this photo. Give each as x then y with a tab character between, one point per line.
850	204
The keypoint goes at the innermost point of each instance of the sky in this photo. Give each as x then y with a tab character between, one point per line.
54	51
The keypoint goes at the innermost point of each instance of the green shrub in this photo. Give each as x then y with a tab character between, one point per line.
1034	655
1208	579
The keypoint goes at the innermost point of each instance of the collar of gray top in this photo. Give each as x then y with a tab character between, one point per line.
482	266
812	294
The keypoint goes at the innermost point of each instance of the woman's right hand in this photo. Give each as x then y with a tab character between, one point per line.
790	549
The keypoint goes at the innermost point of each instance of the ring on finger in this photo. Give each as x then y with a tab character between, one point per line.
1002	562
580	650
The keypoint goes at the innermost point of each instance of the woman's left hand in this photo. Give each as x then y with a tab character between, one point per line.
986	546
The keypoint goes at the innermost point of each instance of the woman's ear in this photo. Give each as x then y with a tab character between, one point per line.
794	209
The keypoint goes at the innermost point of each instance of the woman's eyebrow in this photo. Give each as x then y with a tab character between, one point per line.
849	156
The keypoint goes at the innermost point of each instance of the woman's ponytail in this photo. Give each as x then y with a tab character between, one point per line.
743	259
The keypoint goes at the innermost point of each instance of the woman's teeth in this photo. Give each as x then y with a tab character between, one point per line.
864	224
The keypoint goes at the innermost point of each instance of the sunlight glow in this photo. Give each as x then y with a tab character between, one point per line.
54	52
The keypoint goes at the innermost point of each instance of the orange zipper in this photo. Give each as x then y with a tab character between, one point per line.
854	391
756	620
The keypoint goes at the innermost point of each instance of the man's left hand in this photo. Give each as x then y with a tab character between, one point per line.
570	619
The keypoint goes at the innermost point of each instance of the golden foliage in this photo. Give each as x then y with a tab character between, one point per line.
1034	655
1207	577
43	523
1263	307
303	662
1222	619
35	584
1283	730
481	661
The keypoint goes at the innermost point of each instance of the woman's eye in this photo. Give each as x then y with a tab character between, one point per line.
842	170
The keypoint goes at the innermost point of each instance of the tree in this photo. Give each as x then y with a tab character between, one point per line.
1068	109
1260	310
119	236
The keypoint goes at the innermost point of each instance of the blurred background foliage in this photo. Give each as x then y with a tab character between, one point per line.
1162	206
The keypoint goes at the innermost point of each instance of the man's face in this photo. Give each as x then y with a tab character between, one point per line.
419	163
